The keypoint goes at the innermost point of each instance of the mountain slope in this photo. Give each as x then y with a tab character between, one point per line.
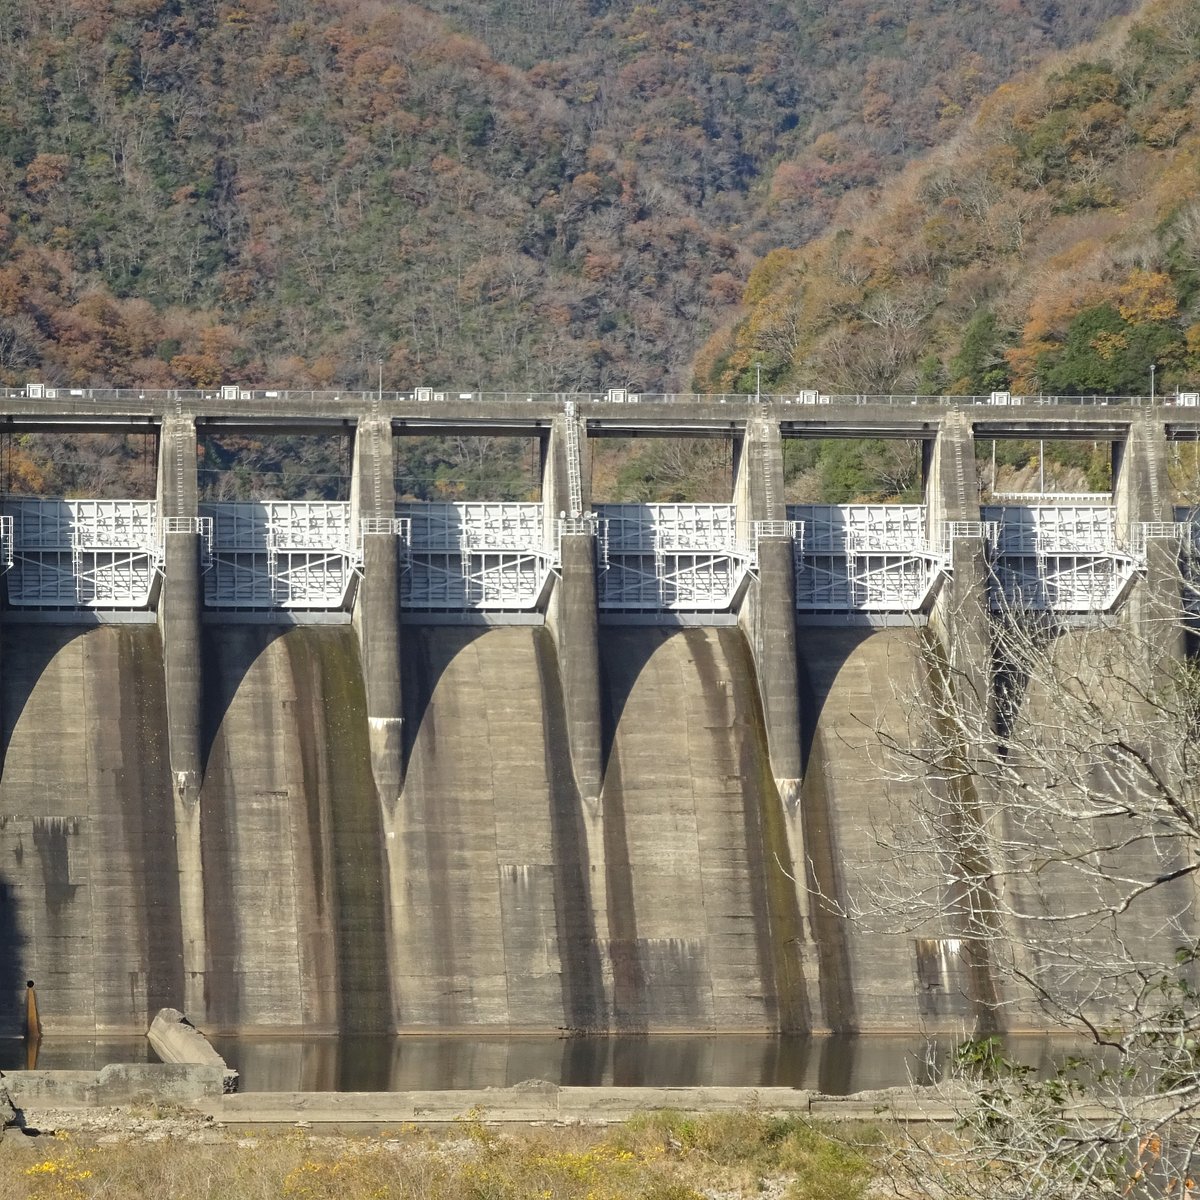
1054	245
558	195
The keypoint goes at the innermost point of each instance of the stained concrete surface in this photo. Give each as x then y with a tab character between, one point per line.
857	683
87	855
475	884
701	911
291	836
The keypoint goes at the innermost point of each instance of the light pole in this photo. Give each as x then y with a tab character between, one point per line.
1153	368
758	381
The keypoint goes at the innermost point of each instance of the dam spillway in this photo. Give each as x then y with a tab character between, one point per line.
377	766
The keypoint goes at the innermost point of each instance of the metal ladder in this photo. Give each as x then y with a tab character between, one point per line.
1154	464
772	486
376	460
574	477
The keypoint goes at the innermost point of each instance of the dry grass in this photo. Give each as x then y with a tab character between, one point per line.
664	1157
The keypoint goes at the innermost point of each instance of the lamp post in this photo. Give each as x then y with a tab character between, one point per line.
758	381
1153	368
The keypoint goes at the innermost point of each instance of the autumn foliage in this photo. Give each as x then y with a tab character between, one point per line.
551	195
1053	246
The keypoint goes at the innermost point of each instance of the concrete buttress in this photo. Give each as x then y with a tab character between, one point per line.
960	629
572	621
179	608
377	604
1142	495
767	613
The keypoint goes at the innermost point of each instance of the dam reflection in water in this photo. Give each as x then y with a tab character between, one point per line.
835	1065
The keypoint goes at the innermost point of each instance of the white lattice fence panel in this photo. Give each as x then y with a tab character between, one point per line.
475	555
863	558
279	554
669	557
83	553
1061	558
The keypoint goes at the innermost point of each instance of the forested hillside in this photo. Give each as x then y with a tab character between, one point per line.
552	194
1052	246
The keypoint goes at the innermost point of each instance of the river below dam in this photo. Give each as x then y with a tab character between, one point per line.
835	1065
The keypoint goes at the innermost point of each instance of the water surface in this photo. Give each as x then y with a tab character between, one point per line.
835	1065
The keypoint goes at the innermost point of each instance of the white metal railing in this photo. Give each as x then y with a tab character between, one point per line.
951	530
187	525
476	556
200	526
1039	498
765	529
585	525
669	557
44	396
1144	530
72	554
392	526
871	558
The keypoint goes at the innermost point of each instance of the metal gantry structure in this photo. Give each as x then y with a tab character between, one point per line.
464	556
277	555
1064	558
280	554
669	557
82	554
869	558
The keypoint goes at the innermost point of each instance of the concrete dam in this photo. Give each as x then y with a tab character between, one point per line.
384	766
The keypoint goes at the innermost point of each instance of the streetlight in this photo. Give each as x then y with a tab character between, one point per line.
1153	368
758	381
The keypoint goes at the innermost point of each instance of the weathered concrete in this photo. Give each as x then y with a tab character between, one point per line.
859	684
959	678
293	851
1074	957
491	905
87	839
702	913
179	604
377	603
572	622
118	1083
571	612
537	1102
1142	493
767	612
176	1040
589	833
841	416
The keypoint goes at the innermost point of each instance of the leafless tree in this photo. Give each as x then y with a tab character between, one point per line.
1056	827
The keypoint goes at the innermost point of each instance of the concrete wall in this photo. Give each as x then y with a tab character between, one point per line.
702	912
490	900
87	842
561	826
293	855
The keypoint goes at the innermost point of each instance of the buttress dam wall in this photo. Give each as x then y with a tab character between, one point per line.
381	767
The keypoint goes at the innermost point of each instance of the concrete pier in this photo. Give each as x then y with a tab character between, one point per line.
579	828
377	604
179	609
1145	522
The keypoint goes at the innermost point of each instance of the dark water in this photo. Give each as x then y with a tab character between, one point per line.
835	1065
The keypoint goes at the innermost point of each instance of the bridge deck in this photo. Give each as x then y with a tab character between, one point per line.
508	414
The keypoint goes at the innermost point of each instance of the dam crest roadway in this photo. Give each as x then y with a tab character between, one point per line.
383	765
